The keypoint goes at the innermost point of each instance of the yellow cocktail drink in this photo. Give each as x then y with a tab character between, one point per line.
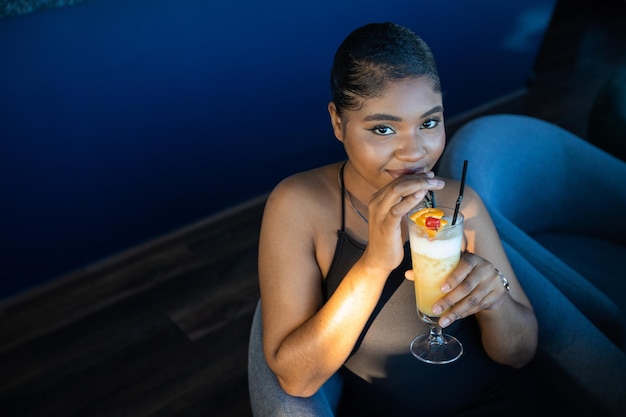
435	252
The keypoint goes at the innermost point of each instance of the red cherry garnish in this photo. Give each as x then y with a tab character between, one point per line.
432	222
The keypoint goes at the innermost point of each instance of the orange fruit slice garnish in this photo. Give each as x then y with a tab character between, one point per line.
420	218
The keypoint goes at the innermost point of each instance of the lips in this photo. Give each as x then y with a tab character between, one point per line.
408	171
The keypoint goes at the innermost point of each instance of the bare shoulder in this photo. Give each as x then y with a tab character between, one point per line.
477	217
449	195
306	190
297	234
304	205
472	204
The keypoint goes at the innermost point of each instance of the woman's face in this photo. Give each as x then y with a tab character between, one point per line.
400	132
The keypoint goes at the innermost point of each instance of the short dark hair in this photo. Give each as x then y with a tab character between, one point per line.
374	54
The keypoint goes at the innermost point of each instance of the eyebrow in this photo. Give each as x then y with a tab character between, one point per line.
436	109
378	117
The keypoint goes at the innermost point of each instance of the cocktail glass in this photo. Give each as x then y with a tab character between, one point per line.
435	252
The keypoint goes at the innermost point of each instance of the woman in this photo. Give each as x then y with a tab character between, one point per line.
334	265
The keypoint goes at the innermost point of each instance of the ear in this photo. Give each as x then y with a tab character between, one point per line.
335	121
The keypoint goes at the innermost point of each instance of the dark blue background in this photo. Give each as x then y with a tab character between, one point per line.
124	120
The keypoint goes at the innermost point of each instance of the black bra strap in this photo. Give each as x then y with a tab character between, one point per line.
343	197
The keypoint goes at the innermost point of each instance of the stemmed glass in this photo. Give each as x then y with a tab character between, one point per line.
435	241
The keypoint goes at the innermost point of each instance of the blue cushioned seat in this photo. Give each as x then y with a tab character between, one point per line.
558	201
578	369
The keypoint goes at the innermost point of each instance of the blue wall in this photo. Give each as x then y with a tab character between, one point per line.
124	120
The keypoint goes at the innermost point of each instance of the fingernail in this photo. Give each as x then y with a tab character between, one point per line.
445	287
435	182
437	309
444	322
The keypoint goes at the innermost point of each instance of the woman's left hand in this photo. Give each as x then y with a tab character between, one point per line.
474	285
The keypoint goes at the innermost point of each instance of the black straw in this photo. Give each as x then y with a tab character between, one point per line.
431	197
458	200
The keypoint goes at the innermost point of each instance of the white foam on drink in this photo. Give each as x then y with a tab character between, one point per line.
436	249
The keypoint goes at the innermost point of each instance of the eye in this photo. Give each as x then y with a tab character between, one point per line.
382	130
431	123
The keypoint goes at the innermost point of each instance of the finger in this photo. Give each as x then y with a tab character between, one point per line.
488	294
457	277
464	288
405	198
407	186
410	275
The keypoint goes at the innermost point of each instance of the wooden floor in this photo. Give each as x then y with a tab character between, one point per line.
162	330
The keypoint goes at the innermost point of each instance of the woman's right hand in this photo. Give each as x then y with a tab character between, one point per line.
387	209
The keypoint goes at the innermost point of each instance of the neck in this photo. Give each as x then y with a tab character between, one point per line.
351	200
358	207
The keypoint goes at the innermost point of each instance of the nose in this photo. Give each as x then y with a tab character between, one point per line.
411	147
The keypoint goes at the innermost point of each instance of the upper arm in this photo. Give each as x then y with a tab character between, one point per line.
483	240
289	276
